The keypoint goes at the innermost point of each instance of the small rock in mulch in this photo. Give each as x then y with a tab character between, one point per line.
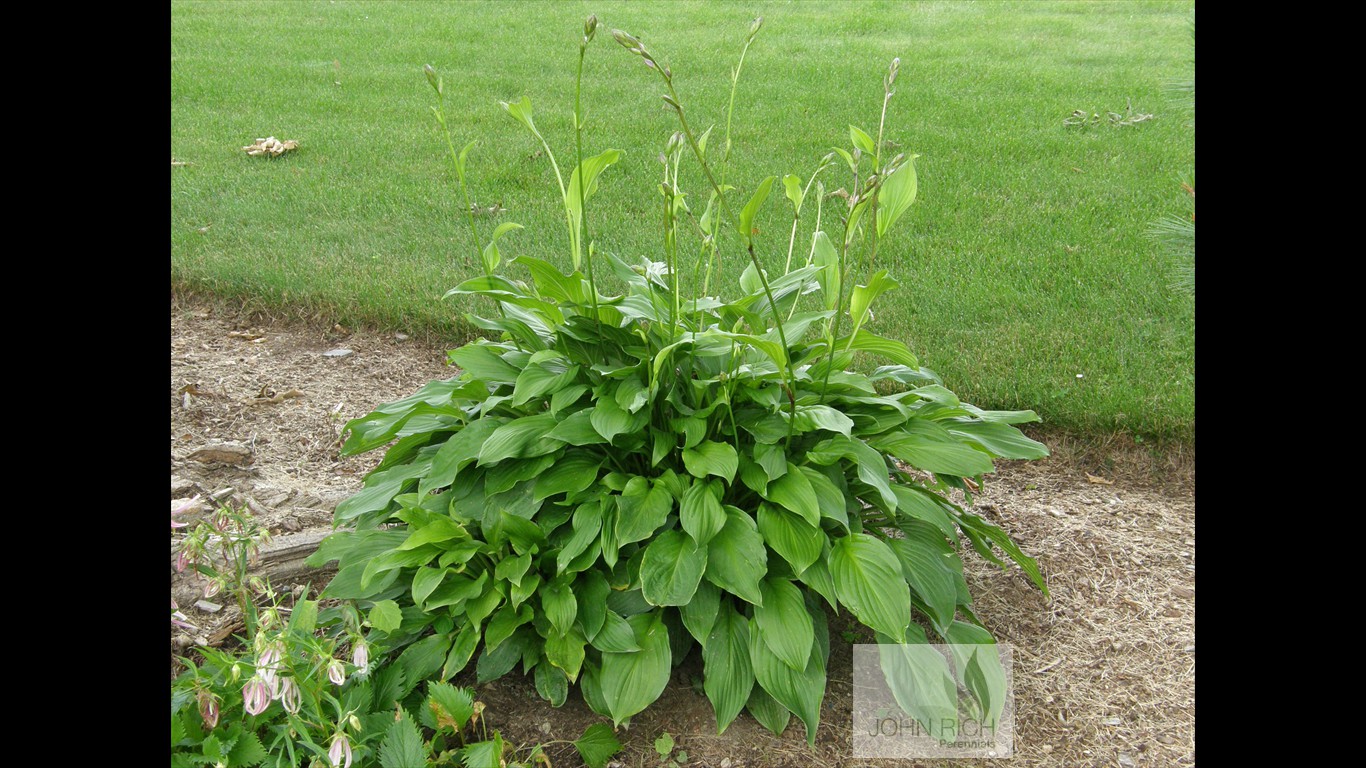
339	352
184	489
208	607
225	451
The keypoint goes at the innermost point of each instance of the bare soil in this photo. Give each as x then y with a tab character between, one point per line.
1104	671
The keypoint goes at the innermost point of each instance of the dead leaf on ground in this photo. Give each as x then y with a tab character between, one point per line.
270	146
268	396
250	335
1090	478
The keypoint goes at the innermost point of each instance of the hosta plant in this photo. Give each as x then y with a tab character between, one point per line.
635	463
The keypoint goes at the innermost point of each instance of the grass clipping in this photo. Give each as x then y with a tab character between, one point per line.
271	147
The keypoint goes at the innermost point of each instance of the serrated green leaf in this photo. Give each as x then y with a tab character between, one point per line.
453	707
246	751
736	558
785	626
868	580
402	747
672	567
385	616
712	458
484	754
597	745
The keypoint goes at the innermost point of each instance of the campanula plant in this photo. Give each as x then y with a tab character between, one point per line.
620	474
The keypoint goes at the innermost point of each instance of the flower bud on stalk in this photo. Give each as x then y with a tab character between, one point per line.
360	654
590	28
208	708
256	696
289	697
754	27
435	81
339	754
335	672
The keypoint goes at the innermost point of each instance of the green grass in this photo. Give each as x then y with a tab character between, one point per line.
1023	263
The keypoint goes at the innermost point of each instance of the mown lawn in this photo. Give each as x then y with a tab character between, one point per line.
1027	279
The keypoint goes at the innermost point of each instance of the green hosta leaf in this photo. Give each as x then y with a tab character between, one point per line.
768	711
641	509
422	659
736	559
819	579
712	458
672	567
521	110
616	635
632	681
1001	440
872	467
577	429
458	452
869	581
786	627
924	556
496	662
813	417
590	589
796	540
385	616
380	489
505	622
982	534
728	673
559	606
800	692
483	362
924	506
922	684
512	569
436	531
751	208
825	257
863	295
610	419
979	667
586	174
928	446
632	395
829	498
552	283
425	581
597	745
793	491
866	341
403	747
570	474
563	398
700	511
536	379
566	652
897	194
491	257
519	438
863	141
551	683
772	459
462	650
453	707
792	187
699	614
